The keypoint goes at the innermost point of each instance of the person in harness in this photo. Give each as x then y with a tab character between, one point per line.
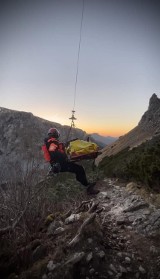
59	160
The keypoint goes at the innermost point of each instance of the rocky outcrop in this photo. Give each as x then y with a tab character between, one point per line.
147	128
151	119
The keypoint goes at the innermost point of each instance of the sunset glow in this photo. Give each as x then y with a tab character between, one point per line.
118	66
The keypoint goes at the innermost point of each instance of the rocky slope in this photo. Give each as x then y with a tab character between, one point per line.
112	235
147	128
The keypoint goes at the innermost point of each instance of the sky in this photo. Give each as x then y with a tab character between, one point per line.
118	66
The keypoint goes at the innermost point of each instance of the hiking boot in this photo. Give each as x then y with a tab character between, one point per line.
91	190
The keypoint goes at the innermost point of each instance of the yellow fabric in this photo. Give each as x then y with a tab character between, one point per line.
81	147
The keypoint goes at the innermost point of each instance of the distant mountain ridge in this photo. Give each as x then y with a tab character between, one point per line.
147	128
22	135
104	140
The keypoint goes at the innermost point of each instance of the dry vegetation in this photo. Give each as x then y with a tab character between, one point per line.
25	201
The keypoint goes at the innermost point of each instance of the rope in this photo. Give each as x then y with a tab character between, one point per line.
77	70
79	48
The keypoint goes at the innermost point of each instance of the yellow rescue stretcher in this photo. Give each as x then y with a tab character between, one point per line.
81	150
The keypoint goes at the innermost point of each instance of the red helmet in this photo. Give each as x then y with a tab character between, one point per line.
54	133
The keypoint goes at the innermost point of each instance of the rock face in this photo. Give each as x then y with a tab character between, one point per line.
22	135
151	118
147	128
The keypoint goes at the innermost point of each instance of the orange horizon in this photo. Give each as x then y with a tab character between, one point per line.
113	130
110	133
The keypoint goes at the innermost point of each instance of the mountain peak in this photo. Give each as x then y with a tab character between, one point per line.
151	118
154	102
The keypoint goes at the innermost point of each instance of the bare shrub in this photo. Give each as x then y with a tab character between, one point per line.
21	199
26	199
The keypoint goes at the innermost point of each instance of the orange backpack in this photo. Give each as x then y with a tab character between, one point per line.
46	154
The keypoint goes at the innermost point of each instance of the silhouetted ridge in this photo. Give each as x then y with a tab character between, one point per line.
147	128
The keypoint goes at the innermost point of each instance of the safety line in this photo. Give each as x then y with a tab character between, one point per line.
79	48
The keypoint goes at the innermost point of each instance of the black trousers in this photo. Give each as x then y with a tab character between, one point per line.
77	169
